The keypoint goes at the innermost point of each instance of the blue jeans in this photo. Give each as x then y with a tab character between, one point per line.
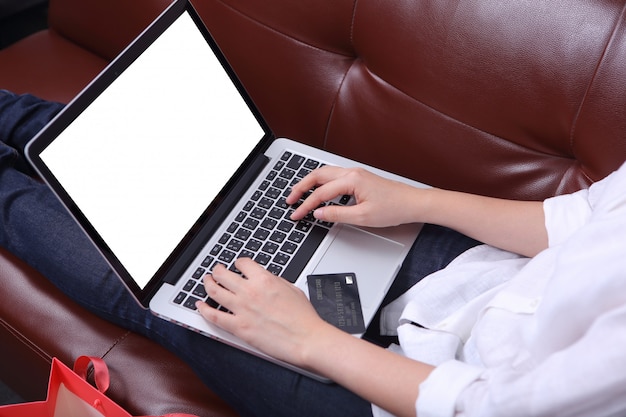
37	229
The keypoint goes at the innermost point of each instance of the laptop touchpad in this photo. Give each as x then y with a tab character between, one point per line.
373	259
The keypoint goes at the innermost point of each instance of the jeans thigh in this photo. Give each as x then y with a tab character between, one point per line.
435	247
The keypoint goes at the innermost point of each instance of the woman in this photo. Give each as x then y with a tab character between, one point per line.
531	323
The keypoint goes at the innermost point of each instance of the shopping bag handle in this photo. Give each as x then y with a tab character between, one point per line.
101	376
100	371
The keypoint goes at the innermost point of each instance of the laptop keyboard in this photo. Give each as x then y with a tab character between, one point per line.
263	231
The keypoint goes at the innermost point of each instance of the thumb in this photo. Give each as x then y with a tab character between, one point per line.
332	214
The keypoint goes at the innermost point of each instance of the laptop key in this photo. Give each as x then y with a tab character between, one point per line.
281	259
258	213
242	215
344	200
280	183
296	162
272	193
233	226
265	203
190	303
282	203
311	164
226	256
285	226
257	194
287	174
270	248
234	245
254	245
276	213
189	285
278	237
289	248
261	234
200	291
275	269
246	254
296	236
303	226
207	261
216	250
262	258
264	185
303	173
269	223
180	297
248	206
250	223
243	234
212	303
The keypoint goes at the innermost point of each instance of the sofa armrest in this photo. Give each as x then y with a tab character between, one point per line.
38	322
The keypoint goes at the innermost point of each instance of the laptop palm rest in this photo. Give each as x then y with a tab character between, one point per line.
374	260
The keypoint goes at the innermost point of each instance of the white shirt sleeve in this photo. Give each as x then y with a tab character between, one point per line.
571	383
439	392
565	214
587	378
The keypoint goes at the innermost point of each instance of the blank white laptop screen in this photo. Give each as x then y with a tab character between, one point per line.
158	144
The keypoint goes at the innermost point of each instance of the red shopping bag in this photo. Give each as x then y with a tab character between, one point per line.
70	395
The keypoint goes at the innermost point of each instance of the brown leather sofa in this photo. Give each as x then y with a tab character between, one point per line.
512	99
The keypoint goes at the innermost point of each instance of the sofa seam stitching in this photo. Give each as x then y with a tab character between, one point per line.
343	80
286	35
115	343
590	85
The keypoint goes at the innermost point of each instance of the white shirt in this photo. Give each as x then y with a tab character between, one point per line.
512	336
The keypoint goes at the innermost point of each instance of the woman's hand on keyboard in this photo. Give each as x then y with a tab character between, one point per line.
276	317
380	202
268	312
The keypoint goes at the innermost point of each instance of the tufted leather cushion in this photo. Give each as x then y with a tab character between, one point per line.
83	37
502	98
45	55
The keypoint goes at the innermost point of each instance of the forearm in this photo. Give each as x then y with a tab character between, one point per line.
516	226
265	309
389	380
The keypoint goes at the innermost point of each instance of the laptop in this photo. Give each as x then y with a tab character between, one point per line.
169	168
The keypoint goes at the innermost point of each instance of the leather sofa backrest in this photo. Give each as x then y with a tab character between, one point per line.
512	99
104	27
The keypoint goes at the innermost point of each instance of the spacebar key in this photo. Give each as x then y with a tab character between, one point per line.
304	253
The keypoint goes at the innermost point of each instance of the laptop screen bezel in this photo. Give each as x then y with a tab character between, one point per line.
207	221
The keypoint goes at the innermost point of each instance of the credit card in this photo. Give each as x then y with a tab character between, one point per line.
336	299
